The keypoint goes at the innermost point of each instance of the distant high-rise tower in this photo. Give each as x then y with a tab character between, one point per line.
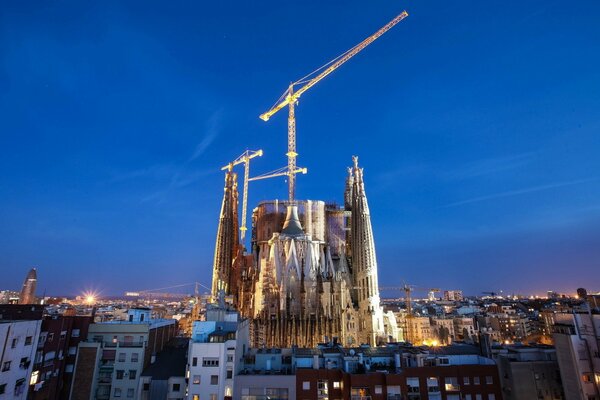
27	295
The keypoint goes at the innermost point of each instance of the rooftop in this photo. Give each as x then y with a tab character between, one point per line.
169	362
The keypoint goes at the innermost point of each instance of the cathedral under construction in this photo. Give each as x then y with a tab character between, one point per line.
311	274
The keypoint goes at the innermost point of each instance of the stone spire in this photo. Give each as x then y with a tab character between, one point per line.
364	260
227	243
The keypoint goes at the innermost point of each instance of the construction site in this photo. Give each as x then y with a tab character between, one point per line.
310	272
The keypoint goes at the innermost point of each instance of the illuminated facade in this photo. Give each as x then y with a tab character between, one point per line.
311	274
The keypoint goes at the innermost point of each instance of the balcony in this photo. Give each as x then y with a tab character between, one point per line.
131	344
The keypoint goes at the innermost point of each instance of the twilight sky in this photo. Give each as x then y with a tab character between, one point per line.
477	123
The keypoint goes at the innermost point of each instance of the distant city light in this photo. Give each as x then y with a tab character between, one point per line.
90	298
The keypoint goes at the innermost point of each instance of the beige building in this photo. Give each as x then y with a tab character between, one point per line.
109	363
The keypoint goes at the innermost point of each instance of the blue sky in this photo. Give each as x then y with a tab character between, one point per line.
477	124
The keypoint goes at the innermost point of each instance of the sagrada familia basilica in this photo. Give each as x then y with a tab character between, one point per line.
311	274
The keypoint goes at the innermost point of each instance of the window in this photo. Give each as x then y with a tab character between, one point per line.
433	385
14	342
306	385
229	374
117	392
130	392
176	387
194	361
50	337
75	333
213	396
146	387
3	388
478	397
69	368
28	340
413	385
322	390
229	358
196	380
451	384
24	364
63	334
72	350
491	396
122	357
378	389
120	373
6	366
134	357
132	374
210	362
337	384
34	377
214	379
475	380
466	380
489	380
195	397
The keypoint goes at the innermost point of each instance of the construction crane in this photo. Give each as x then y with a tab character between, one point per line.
290	98
244	158
408	289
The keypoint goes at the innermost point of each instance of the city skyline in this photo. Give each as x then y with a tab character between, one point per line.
481	174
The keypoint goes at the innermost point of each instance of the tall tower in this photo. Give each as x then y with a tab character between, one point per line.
227	243
364	261
27	295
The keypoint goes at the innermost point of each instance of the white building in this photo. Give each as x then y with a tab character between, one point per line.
18	341
576	339
215	354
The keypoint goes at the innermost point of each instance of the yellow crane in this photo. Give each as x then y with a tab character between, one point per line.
290	98
244	158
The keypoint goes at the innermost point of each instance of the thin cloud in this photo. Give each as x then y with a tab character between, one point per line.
213	128
518	192
490	166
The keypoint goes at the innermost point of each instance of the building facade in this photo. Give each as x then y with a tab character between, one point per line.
576	338
215	354
110	361
19	343
312	271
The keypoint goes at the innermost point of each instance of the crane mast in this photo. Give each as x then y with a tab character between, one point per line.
290	98
244	158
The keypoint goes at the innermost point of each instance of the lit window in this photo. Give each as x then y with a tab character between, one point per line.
451	384
337	384
195	397
196	380
34	377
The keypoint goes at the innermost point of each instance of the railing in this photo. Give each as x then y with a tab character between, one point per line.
131	344
360	397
